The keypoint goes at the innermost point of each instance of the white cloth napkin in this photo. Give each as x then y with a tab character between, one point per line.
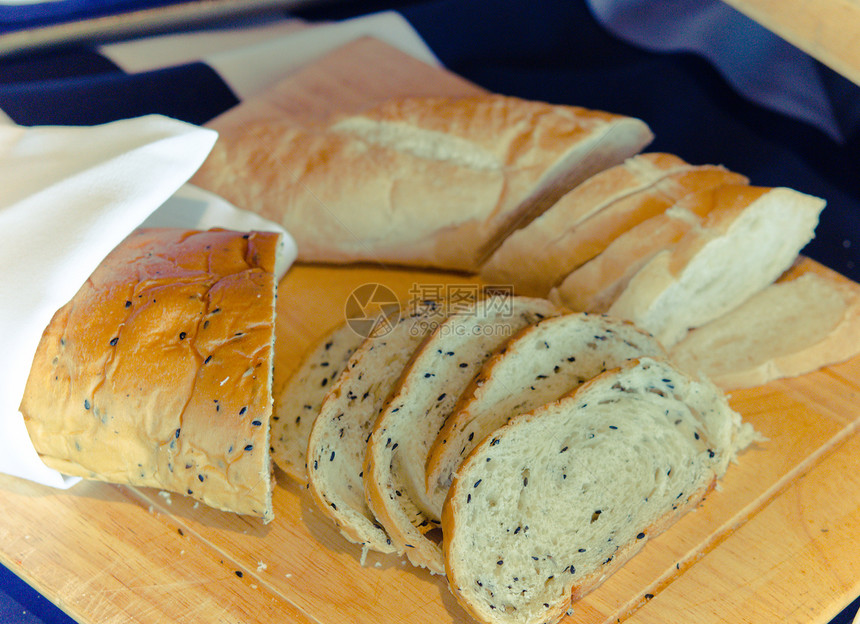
68	196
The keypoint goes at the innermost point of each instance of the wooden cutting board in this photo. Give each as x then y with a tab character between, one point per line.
778	543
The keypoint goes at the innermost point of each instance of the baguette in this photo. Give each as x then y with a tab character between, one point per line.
589	217
437	373
298	403
430	182
594	286
158	371
538	365
749	239
803	322
551	504
338	438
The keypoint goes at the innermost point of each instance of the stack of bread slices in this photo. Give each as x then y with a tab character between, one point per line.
526	446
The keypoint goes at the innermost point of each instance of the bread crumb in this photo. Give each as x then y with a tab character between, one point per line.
288	575
261	566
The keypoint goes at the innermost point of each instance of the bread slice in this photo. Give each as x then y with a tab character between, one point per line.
551	504
540	364
397	450
806	320
158	371
748	240
298	403
433	182
339	434
588	218
594	286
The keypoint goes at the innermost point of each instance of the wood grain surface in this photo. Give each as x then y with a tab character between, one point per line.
779	542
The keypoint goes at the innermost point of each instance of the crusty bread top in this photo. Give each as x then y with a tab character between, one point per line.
549	505
419	181
158	371
746	241
806	320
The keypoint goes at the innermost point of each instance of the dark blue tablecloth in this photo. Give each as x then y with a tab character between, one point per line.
552	50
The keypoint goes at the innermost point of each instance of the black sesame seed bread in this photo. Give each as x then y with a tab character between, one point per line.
434	182
587	218
546	508
539	365
339	435
298	403
429	387
806	320
745	242
158	372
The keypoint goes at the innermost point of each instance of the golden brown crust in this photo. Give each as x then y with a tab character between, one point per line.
158	372
433	182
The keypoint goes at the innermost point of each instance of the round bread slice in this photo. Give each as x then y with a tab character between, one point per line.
805	320
750	237
339	435
298	403
542	363
158	372
394	473
551	504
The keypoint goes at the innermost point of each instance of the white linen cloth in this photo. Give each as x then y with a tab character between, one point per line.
68	196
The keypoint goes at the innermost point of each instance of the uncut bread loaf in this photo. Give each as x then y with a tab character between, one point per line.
433	182
594	286
298	403
428	388
338	438
540	364
806	320
588	218
551	504
158	371
750	237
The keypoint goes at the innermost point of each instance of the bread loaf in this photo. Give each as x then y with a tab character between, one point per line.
806	320
444	364
589	217
298	403
746	241
541	363
158	372
338	438
434	182
551	504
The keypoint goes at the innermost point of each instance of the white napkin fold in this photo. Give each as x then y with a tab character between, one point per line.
68	196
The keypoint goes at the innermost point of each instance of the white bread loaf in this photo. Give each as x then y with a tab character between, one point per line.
435	182
806	320
338	438
594	286
298	403
429	387
537	366
158	372
589	217
551	504
746	241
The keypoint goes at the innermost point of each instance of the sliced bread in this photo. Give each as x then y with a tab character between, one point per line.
338	438
298	403
551	504
435	182
746	241
540	364
585	220
443	366
594	286
806	320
